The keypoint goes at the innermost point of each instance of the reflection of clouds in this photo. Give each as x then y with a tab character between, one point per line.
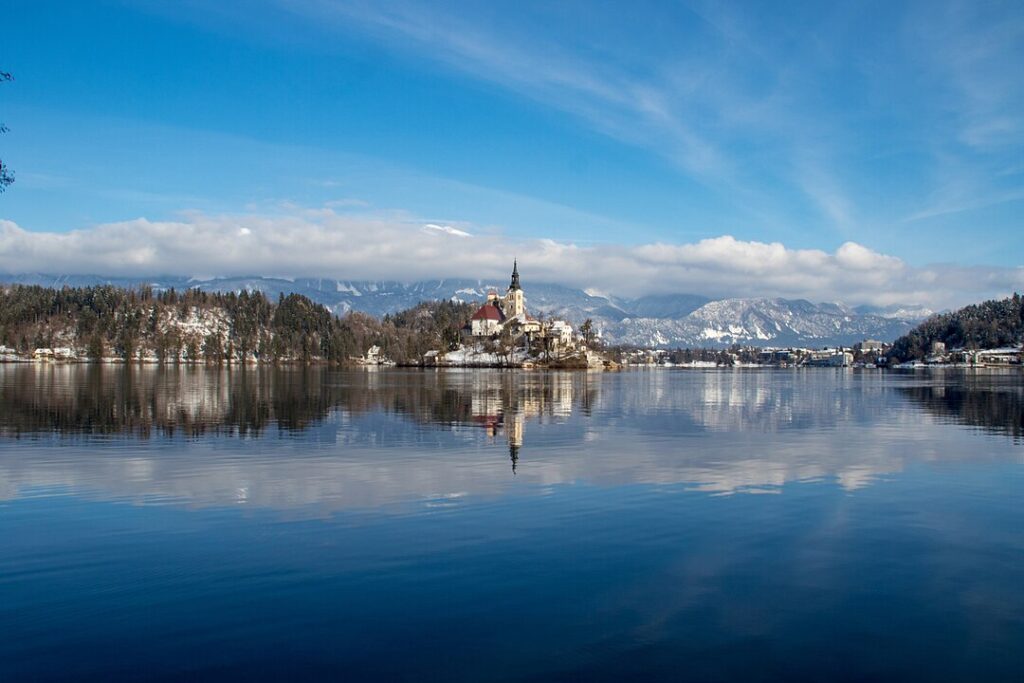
856	477
383	438
751	400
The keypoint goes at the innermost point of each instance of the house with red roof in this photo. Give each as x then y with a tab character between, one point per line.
488	319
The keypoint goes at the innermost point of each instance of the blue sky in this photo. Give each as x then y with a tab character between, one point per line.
894	126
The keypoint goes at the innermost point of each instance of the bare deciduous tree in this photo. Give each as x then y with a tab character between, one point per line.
6	175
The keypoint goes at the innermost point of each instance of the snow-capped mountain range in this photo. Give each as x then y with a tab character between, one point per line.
670	320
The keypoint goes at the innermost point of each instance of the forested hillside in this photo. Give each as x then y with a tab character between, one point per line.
193	325
988	325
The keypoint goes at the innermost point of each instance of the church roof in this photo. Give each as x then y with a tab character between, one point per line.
515	276
488	312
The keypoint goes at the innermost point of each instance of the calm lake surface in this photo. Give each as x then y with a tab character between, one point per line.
186	523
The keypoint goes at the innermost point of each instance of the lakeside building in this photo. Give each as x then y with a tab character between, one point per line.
830	358
55	353
1001	357
776	356
1011	355
873	346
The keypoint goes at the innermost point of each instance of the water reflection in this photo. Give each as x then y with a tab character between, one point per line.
976	401
289	438
102	400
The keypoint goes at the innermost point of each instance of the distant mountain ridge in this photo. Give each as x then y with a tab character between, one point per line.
665	320
762	322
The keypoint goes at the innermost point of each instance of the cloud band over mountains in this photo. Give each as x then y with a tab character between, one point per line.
325	243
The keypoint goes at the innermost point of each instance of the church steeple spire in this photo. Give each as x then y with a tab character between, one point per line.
514	303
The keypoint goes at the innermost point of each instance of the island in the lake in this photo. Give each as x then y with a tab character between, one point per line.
164	325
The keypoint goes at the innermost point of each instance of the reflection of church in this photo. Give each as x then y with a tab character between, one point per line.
506	407
513	425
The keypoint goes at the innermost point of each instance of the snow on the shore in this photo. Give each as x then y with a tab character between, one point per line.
477	356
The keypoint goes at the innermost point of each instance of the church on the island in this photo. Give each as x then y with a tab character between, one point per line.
500	313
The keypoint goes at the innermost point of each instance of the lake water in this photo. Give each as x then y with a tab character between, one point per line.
788	525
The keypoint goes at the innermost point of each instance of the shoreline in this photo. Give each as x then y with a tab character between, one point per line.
607	366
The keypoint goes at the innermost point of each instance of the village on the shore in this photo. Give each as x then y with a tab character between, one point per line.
868	354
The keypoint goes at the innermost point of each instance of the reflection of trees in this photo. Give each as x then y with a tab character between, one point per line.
999	409
96	399
715	431
190	401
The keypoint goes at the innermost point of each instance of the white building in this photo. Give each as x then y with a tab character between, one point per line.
1004	356
373	355
488	319
561	332
831	358
55	353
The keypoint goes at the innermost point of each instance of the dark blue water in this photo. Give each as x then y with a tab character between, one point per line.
189	524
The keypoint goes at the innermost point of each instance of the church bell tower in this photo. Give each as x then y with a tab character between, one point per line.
514	303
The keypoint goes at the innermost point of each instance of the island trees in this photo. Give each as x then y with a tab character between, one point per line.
587	330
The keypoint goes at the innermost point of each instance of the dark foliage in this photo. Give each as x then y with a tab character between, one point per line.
988	325
194	325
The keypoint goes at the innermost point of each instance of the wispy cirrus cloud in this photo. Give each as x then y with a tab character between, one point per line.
750	102
968	55
636	102
974	54
319	242
890	124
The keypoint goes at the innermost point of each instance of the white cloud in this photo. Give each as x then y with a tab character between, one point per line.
324	243
435	229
